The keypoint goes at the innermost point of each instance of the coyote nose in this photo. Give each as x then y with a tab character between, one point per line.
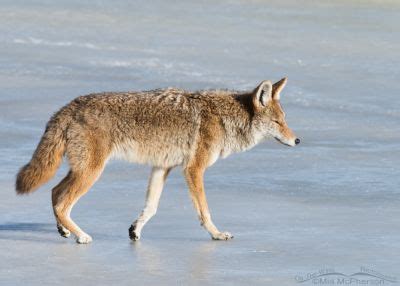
297	141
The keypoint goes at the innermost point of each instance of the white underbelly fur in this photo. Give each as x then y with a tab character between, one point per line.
145	154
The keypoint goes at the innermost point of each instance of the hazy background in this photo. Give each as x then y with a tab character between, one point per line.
333	201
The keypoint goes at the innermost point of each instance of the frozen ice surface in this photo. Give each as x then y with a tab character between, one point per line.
333	201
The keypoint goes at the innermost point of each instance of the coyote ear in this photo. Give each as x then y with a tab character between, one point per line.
277	88
262	94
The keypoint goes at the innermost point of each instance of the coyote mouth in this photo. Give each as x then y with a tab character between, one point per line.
284	143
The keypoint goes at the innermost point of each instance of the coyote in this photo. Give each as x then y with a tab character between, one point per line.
164	128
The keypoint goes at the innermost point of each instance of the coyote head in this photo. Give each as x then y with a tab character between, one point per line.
269	115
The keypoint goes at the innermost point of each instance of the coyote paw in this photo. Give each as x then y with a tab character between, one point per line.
222	236
63	231
133	234
84	239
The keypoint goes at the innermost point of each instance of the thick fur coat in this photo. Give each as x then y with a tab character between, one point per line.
163	128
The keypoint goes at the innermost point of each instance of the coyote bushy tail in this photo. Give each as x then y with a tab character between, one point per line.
45	160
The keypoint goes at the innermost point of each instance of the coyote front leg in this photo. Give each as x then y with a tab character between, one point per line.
194	176
156	184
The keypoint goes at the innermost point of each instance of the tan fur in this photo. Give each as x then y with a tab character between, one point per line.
163	128
46	159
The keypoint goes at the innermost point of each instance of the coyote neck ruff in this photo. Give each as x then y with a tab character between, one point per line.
163	128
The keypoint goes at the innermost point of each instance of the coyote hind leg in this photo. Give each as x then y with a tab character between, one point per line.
156	184
65	195
87	153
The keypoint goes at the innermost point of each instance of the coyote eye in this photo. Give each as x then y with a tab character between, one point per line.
276	121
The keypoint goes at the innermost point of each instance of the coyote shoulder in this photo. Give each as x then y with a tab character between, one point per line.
163	128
